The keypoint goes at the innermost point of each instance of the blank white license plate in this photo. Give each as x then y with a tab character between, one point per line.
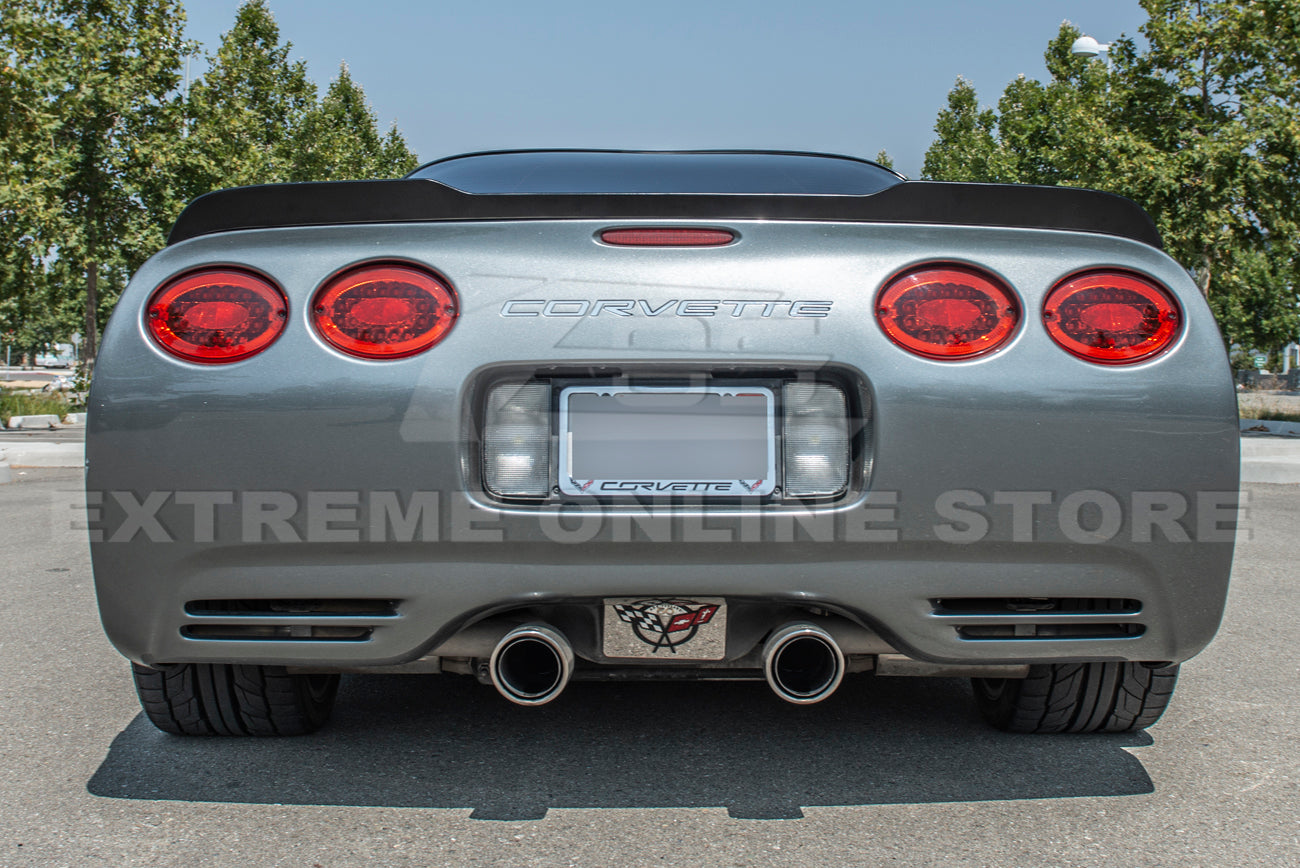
647	441
666	628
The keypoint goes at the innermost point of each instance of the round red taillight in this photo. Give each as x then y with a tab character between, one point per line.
385	311
947	312
216	315
1111	317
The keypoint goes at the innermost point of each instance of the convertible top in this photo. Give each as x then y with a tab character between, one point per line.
699	185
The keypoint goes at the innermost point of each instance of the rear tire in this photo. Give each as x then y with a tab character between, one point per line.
1078	697
226	699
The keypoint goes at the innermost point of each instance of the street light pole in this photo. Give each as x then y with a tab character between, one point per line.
1086	46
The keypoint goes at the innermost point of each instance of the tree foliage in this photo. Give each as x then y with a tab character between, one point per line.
101	145
244	114
92	138
254	118
1201	126
340	138
967	143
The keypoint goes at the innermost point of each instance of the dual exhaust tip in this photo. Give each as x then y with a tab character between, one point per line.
802	663
532	664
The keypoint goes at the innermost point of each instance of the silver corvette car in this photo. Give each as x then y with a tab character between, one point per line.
538	416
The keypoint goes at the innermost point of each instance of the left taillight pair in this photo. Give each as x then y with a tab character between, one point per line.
374	311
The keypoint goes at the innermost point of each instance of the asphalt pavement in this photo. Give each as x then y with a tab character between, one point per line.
437	770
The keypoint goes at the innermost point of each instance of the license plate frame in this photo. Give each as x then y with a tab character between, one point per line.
667	441
665	628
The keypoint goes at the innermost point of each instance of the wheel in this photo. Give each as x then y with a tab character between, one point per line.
225	699
1078	697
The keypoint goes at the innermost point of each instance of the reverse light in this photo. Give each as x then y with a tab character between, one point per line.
815	440
949	312
384	311
517	440
1111	317
216	315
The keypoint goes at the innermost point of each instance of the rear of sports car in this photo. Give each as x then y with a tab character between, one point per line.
534	418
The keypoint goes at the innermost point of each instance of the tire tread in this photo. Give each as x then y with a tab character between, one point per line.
1079	697
234	700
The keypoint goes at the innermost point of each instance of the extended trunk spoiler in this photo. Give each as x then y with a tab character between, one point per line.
339	203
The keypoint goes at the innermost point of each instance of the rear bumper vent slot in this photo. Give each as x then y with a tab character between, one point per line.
338	608
1050	631
277	632
1028	618
288	620
1035	606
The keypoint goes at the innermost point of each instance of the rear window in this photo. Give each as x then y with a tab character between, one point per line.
540	172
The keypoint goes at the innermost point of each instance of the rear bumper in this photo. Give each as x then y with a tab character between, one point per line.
1166	598
1026	473
1129	519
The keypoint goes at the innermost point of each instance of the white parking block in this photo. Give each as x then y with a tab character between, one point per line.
30	422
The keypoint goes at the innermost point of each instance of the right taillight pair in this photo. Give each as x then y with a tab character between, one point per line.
380	310
955	312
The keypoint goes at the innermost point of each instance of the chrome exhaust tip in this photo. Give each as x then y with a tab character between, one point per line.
802	663
531	665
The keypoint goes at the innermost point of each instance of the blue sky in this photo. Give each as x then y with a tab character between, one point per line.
838	76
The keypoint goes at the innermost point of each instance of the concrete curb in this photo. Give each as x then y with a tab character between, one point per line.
30	422
1263	426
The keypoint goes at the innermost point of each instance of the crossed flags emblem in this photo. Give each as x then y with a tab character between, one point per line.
649	626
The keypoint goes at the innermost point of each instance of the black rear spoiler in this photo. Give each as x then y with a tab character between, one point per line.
338	203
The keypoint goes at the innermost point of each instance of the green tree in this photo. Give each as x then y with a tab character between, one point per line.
339	139
245	112
99	151
254	118
1040	133
1200	127
31	321
29	193
395	158
1259	298
92	137
967	143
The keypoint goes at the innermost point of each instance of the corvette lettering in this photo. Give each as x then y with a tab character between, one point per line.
639	307
627	486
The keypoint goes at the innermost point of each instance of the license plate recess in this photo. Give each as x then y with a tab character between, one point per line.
664	441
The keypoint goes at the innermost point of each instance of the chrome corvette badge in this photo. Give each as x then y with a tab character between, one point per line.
668	628
691	307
